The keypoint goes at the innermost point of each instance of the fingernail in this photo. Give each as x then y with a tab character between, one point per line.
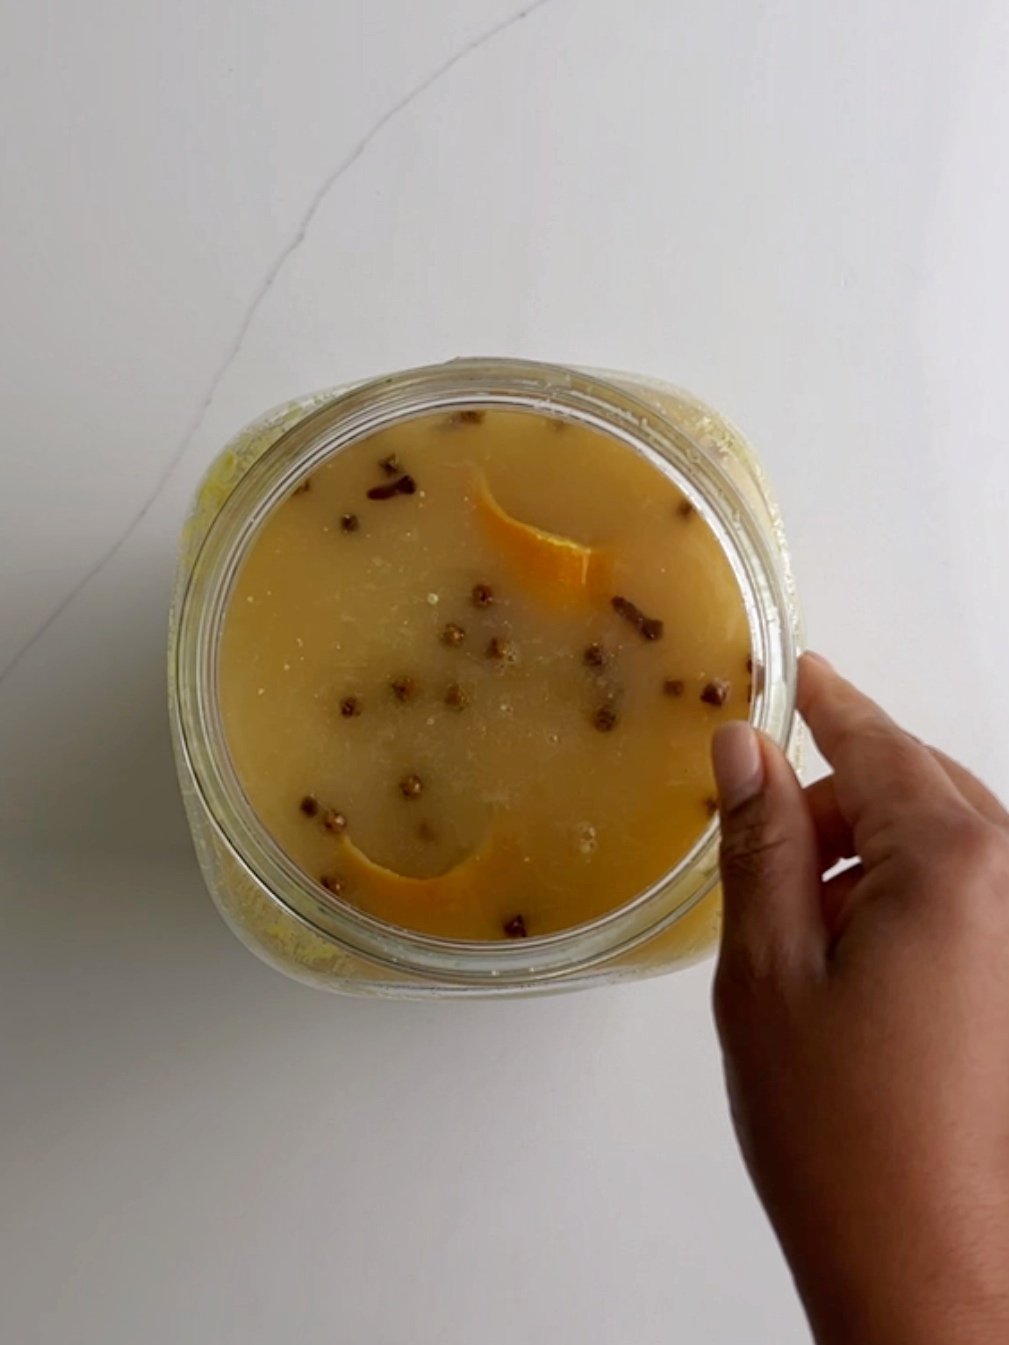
738	763
814	657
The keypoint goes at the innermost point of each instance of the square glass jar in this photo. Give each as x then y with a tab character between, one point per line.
271	904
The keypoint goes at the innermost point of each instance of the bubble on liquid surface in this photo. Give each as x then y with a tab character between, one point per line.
586	838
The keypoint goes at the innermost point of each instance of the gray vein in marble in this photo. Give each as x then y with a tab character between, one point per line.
234	350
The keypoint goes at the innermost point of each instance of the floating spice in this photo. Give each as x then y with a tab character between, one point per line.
403	485
453	635
649	628
673	686
482	595
332	884
350	707
349	523
749	663
716	693
403	688
515	928
411	786
390	465
711	805
686	509
456	697
605	719
304	488
309	805
334	821
468	415
501	649
595	656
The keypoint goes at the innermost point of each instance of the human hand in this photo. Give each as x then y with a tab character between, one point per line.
865	1021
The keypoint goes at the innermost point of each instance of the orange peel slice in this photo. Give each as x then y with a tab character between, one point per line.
556	569
457	885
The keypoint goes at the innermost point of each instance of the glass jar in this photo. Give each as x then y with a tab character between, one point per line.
264	897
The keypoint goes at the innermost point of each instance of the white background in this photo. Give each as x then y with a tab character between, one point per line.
798	209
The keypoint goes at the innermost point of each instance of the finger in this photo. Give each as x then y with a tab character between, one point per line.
769	858
833	835
978	795
879	770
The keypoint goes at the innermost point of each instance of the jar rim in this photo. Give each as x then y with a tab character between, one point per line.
346	417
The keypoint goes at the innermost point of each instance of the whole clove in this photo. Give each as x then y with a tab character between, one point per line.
453	635
456	697
649	628
716	693
403	688
468	415
605	719
334	822
501	649
515	928
403	485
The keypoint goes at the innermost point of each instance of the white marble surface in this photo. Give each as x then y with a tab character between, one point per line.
797	209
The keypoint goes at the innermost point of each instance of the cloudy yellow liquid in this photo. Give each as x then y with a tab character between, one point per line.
480	705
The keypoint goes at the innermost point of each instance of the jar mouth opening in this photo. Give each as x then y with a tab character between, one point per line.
347	418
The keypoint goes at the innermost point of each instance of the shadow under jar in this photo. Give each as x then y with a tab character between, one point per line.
447	650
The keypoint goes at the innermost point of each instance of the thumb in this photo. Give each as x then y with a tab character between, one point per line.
770	863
